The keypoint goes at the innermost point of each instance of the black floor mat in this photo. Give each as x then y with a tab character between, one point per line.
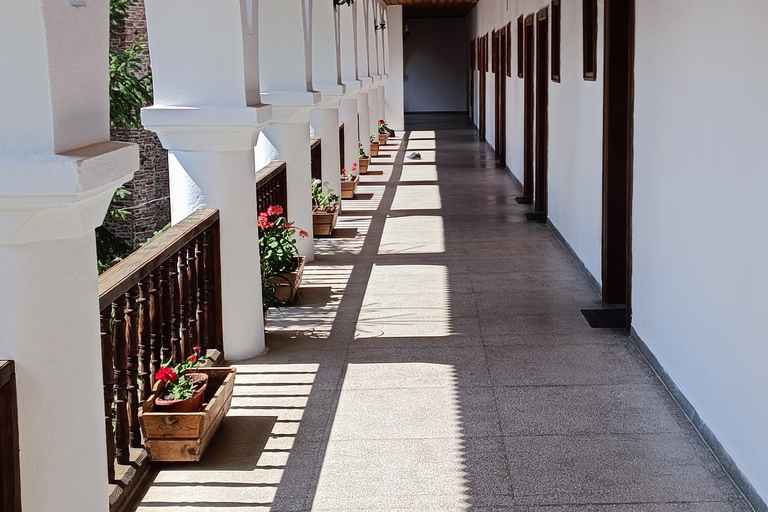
615	318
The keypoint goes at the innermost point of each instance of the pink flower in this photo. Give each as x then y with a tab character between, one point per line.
192	358
275	210
354	167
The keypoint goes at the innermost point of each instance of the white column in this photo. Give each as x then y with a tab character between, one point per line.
325	121
364	116
348	116
285	31
207	114
395	97
58	172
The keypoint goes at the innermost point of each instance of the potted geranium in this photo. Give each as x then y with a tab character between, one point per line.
349	181
281	265
325	209
181	389
383	132
363	158
374	145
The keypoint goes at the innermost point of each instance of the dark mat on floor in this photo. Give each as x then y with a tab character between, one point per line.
614	318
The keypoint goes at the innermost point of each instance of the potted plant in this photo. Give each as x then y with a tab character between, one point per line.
325	209
180	388
383	132
374	146
349	181
181	433
363	158
281	265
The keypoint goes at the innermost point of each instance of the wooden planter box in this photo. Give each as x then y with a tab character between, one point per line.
374	148
383	138
348	188
363	165
323	223
287	284
183	437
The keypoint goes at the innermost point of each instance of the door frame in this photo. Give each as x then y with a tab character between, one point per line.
540	200
618	155
529	38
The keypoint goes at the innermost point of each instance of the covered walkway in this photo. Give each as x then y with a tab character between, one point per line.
438	360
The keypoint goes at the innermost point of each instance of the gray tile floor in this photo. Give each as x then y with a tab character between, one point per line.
437	360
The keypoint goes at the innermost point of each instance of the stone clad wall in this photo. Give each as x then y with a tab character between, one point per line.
149	201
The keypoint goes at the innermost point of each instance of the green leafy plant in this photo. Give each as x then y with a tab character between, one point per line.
361	151
323	202
277	242
109	248
383	128
374	139
176	384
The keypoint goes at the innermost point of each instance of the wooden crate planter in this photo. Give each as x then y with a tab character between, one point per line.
287	284
374	149
383	139
363	165
349	188
183	437
324	223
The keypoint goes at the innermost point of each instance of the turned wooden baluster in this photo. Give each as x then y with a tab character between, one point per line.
201	298
156	321
183	287
145	341
109	388
176	311
208	285
132	337
122	452
166	326
192	285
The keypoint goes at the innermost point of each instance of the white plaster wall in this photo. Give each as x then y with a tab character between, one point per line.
699	273
436	65
326	69
287	44
394	92
575	123
348	44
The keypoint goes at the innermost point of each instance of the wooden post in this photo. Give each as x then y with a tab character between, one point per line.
145	340
122	452
157	320
132	338
107	361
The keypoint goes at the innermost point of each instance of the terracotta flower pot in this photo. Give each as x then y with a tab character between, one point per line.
192	404
383	138
374	149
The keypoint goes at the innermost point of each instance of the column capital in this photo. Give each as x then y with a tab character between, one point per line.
207	128
61	196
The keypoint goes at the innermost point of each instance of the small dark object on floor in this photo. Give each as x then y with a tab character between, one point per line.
614	318
536	217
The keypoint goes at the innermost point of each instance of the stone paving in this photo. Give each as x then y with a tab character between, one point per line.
437	361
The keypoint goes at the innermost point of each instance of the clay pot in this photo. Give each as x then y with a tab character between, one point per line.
192	404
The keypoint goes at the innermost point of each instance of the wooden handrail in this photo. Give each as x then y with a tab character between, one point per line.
155	306
267	172
272	187
136	267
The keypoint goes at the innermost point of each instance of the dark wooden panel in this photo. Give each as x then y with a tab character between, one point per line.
542	112
589	24
556	40
10	483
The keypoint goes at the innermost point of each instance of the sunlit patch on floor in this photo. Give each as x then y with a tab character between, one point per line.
425	172
418	307
418	234
417	197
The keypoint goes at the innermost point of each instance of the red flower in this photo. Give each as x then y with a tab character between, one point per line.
289	225
263	221
192	358
344	171
303	234
166	374
196	348
354	167
275	210
381	121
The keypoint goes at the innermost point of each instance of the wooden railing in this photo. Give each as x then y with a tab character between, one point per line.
341	145
271	187
157	304
10	488
316	154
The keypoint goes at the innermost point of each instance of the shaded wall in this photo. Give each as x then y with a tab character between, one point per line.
436	65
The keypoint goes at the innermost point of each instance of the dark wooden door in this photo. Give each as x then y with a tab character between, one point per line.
496	92
10	490
528	110
502	85
483	55
540	202
618	135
